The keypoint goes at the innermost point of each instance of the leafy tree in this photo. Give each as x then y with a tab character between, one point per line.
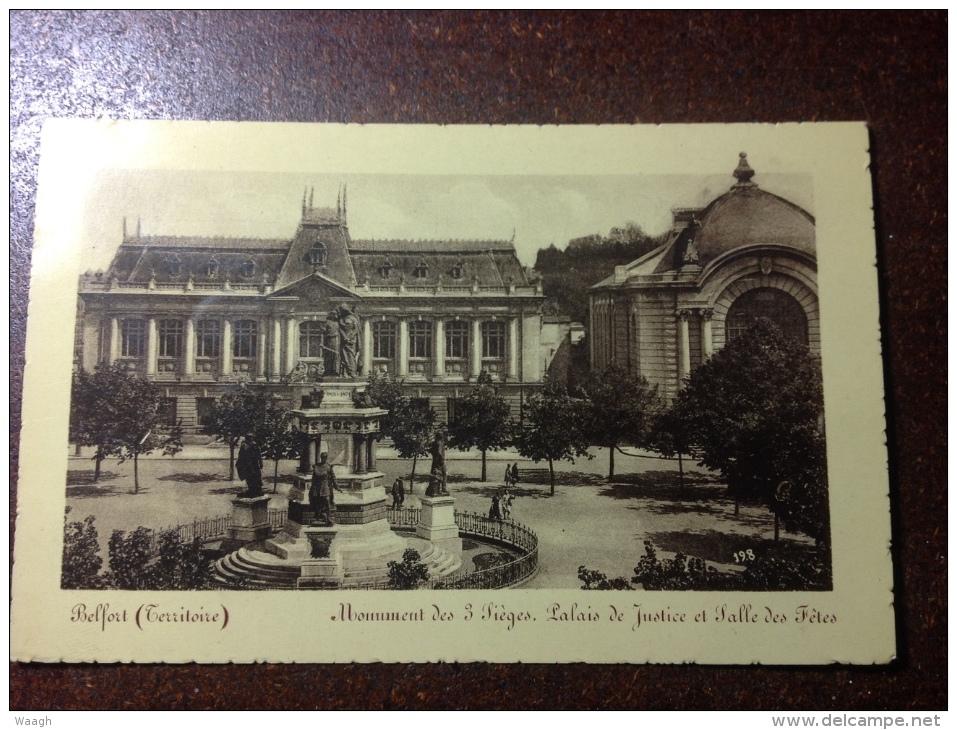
413	430
81	554
756	415
408	574
275	435
142	428
669	435
410	422
552	429
96	409
235	415
120	415
482	420
621	408
388	394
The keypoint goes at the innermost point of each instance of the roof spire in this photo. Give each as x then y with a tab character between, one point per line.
345	192
743	171
312	190
304	190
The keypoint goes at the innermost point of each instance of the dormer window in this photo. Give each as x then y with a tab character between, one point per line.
173	266
248	269
385	269
317	255
421	271
456	271
212	268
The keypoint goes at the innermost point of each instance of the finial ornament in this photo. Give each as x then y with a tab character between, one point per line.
743	171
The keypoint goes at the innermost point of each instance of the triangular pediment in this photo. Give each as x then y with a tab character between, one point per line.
315	289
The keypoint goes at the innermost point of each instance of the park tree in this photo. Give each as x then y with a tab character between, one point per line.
143	427
413	431
120	414
276	436
96	404
669	435
482	420
388	394
410	422
235	415
552	429
621	407
756	412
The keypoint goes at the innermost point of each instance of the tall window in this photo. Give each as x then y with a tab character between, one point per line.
421	271
247	269
208	338
774	304
420	339
244	338
383	340
170	338
456	340
212	268
493	340
311	339
317	254
133	336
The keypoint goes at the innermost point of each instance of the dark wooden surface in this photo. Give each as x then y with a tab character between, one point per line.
887	69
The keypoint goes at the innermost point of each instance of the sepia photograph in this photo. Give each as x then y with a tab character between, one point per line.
468	379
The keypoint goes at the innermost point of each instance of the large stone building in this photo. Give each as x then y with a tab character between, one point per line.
748	253
201	315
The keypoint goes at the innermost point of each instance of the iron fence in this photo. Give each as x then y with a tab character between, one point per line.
511	534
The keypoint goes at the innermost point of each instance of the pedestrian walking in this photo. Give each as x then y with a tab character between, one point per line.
515	475
494	513
507	504
508	475
398	493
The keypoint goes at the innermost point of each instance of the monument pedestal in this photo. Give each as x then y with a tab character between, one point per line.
323	567
437	523
250	521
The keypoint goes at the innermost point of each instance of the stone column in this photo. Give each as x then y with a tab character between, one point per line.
152	346
366	348
403	348
512	348
305	453
114	351
261	348
291	340
370	453
684	345
476	349
439	360
707	340
359	453
227	351
189	364
276	347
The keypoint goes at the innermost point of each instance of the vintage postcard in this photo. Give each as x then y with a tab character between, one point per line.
321	393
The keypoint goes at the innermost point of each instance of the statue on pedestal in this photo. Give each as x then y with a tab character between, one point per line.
330	352
438	478
348	343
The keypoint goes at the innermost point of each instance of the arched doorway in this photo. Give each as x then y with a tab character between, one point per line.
773	304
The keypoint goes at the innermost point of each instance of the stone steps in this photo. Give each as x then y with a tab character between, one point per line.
262	570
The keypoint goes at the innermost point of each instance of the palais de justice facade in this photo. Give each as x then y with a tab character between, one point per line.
201	315
747	254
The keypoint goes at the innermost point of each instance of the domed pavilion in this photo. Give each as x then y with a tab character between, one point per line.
747	254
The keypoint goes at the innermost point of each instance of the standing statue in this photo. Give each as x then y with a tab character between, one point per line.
348	343
438	479
330	351
249	467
